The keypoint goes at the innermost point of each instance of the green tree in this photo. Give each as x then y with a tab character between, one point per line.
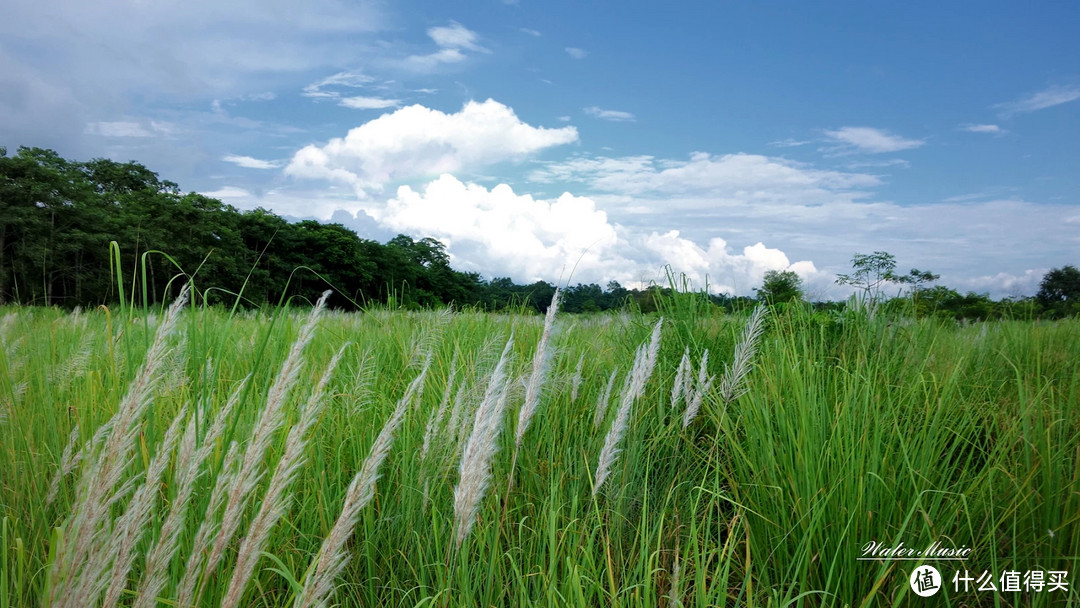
1059	291
780	286
870	273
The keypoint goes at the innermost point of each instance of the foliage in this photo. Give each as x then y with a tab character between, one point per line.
780	286
1059	291
871	272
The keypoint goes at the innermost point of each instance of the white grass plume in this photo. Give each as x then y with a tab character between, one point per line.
634	387
189	461
277	499
68	461
540	364
475	468
733	382
332	556
269	420
678	388
131	526
696	395
101	482
210	526
575	381
605	398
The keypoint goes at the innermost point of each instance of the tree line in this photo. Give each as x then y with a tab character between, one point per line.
67	226
85	233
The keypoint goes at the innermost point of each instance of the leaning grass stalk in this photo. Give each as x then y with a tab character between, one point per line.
208	529
678	388
644	361
132	524
540	364
277	498
605	398
575	382
189	465
101	482
733	382
68	461
474	473
270	419
332	556
697	394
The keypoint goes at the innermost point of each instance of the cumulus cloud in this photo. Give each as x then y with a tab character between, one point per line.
612	115
416	141
368	103
501	233
1047	98
870	141
576	52
248	162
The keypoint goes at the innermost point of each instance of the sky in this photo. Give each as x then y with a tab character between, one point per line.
587	142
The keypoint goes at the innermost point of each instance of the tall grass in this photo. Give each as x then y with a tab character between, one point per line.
746	460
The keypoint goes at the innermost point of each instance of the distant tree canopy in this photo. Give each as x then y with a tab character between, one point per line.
780	286
59	218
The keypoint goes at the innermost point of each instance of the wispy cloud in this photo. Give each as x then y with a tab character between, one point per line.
612	115
789	143
991	129
455	36
128	128
452	40
248	162
531	32
576	53
869	140
368	103
1047	98
324	88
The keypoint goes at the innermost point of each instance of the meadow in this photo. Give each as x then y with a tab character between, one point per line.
305	457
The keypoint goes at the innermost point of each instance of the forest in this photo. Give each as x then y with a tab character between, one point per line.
69	229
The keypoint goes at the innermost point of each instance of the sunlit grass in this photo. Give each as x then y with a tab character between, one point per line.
852	429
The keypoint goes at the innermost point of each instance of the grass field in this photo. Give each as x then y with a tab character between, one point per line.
840	430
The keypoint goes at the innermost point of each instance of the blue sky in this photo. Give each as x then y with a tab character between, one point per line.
604	140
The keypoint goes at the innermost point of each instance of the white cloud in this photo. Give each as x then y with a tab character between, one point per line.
415	141
612	115
451	40
531	32
117	129
736	177
992	129
248	162
1047	98
128	128
870	140
501	233
347	79
228	192
576	53
455	36
789	143
368	103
